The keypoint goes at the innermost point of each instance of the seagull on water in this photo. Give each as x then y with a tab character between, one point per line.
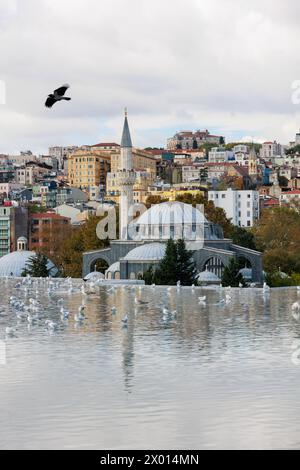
9	331
140	302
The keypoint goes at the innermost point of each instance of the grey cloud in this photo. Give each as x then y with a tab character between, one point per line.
171	63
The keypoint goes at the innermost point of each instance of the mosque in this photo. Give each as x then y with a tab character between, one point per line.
142	242
14	264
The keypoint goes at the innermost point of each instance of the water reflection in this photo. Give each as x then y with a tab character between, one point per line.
212	376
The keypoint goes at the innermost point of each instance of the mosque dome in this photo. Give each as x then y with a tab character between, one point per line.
13	264
174	220
114	268
147	252
94	276
207	277
113	272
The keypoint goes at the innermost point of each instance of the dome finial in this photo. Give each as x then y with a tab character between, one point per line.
126	112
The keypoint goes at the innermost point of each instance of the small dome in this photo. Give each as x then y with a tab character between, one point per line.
22	240
94	276
148	252
114	268
14	264
207	276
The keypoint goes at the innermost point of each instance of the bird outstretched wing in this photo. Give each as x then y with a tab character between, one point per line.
62	90
50	102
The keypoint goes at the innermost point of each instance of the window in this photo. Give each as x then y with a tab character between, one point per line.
248	223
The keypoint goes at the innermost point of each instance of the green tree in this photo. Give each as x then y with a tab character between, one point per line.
283	182
293	150
186	267
149	276
177	265
231	275
37	266
166	274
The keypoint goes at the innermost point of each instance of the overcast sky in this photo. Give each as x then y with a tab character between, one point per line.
223	65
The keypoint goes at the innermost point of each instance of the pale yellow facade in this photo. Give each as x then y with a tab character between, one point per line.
88	169
142	160
173	193
144	164
140	189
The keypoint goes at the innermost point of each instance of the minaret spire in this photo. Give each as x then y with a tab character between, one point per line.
126	137
126	179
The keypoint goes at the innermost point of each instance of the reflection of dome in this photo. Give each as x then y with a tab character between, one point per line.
94	276
208	277
175	220
14	264
148	252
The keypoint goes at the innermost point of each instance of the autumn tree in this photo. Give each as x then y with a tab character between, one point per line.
70	255
277	235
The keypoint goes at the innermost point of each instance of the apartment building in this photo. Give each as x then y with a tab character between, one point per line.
242	207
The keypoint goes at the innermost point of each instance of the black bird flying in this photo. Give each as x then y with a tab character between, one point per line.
57	95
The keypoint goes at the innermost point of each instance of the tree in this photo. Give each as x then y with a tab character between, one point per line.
277	236
283	181
222	141
243	237
186	268
195	144
293	150
203	174
231	275
37	266
148	276
69	256
166	274
177	265
153	199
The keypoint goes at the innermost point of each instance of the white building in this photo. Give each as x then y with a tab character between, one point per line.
242	207
290	197
270	150
241	149
220	155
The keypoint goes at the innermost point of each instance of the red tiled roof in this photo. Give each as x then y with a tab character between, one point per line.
295	191
271	202
48	215
109	144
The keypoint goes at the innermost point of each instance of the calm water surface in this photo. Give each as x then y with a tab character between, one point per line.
216	376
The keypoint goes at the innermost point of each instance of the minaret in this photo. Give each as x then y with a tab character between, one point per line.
126	180
253	162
